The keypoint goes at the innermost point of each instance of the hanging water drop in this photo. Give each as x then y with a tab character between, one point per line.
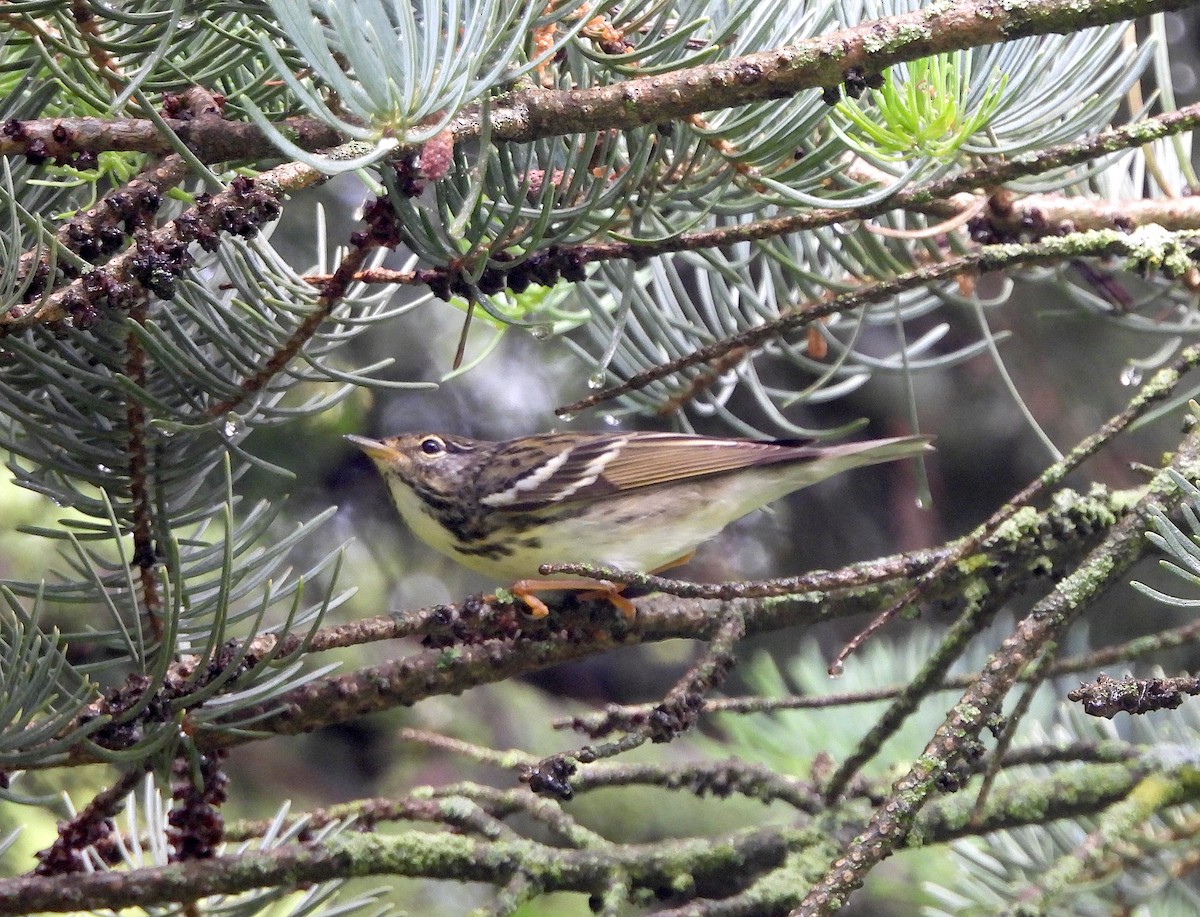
541	332
568	417
234	426
611	420
1131	375
597	379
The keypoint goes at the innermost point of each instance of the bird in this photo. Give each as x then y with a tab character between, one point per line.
626	500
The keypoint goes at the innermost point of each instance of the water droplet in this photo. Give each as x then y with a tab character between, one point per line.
597	379
541	332
234	426
837	669
568	417
611	420
104	469
1131	375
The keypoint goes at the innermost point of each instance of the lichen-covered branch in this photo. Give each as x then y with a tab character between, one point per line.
1048	621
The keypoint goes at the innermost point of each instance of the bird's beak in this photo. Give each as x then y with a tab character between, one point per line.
373	448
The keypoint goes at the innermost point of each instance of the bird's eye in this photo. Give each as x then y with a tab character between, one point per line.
431	445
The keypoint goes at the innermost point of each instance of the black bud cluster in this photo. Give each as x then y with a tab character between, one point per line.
408	176
544	268
103	290
1108	696
14	129
197	826
39	150
84	315
96	238
250	209
242	215
36	285
191	105
552	776
383	230
68	853
156	265
856	81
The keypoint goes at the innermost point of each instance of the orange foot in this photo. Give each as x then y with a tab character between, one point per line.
589	589
525	590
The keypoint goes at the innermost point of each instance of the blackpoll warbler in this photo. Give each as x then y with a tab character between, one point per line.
633	501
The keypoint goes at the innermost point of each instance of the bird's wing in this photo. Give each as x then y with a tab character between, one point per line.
556	470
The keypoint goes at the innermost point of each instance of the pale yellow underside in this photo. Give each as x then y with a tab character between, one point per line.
671	521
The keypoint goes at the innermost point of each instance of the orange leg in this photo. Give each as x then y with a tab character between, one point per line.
525	590
589	589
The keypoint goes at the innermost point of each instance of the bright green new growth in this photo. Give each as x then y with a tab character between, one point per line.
925	114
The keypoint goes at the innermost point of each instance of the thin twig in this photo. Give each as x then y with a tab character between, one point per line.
141	508
1047	622
617	716
1094	243
331	295
673	715
90	827
1155	391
